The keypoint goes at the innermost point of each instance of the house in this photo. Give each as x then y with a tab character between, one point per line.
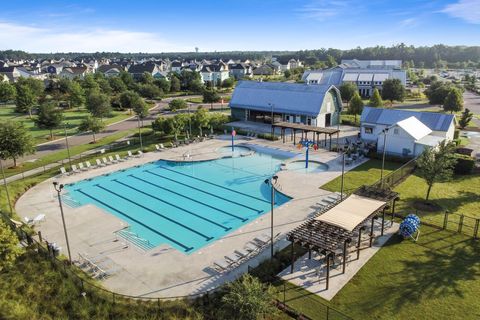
408	132
176	66
290	102
240	70
73	72
111	70
214	73
366	74
12	73
263	70
137	70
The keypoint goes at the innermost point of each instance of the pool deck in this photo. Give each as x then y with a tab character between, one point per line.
164	271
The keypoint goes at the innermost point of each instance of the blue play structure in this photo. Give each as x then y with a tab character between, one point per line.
410	226
307	144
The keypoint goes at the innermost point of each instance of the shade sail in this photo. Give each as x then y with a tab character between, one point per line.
349	213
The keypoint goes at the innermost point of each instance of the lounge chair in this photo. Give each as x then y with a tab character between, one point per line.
262	239
64	172
251	247
110	158
28	220
39	218
119	159
99	163
139	154
162	146
75	169
105	161
88	165
234	258
81	167
130	155
243	253
221	265
157	147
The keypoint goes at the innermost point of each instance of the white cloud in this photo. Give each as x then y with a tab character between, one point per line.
324	9
468	10
409	22
36	39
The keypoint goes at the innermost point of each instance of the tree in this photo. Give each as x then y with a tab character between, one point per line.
147	78
25	99
287	74
393	89
347	90
162	124
9	247
201	119
76	95
7	92
127	79
90	84
149	91
453	101
117	85
248	298
196	86
98	104
376	100
438	92
163	84
15	141
465	118
355	105
37	86
127	99
175	84
92	124
177	104
228	83
140	107
436	164
210	96
49	117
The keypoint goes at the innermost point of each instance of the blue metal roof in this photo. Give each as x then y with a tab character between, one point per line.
286	97
435	121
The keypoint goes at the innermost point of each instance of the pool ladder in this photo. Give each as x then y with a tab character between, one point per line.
135	239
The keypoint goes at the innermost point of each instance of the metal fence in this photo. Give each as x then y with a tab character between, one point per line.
395	177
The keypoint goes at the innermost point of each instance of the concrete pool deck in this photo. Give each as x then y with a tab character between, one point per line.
164	271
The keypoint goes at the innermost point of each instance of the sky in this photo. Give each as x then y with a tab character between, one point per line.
228	25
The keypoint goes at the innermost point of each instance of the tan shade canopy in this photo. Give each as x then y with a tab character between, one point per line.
349	213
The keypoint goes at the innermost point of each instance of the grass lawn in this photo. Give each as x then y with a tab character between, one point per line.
366	173
195	100
350	118
460	195
73	117
436	278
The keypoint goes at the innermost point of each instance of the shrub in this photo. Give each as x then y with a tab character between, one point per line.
464	164
464	151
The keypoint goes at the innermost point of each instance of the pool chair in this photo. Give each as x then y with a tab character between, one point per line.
161	146
64	172
251	247
233	258
110	158
139	154
221	265
119	159
130	155
81	167
99	163
75	169
243	253
157	147
262	239
105	161
39	218
88	165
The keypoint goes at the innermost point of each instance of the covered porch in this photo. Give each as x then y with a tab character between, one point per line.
318	134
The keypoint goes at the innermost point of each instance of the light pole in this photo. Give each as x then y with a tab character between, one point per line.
385	131
59	189
66	143
6	188
189	121
343	175
140	133
272	203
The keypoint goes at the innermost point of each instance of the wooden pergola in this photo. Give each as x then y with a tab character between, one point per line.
305	130
329	239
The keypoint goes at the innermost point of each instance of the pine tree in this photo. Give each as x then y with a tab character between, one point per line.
465	118
376	100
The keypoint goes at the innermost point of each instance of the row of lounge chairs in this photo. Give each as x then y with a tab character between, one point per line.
103	162
239	256
98	267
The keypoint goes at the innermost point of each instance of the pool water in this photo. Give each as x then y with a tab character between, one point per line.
237	151
187	205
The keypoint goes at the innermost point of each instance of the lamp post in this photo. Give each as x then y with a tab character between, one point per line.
385	131
272	203
59	188
343	175
189	121
6	188
66	143
140	133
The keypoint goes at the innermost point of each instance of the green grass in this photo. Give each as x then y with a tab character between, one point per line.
73	117
460	195
366	173
436	278
350	119
195	100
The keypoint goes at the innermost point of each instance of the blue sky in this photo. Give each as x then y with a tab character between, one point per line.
163	26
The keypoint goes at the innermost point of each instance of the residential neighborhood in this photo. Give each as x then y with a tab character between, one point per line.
240	161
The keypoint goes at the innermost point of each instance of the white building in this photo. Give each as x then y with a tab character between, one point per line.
407	132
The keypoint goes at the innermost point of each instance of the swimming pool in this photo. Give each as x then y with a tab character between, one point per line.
313	166
187	205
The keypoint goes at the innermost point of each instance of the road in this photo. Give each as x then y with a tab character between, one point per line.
127	124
